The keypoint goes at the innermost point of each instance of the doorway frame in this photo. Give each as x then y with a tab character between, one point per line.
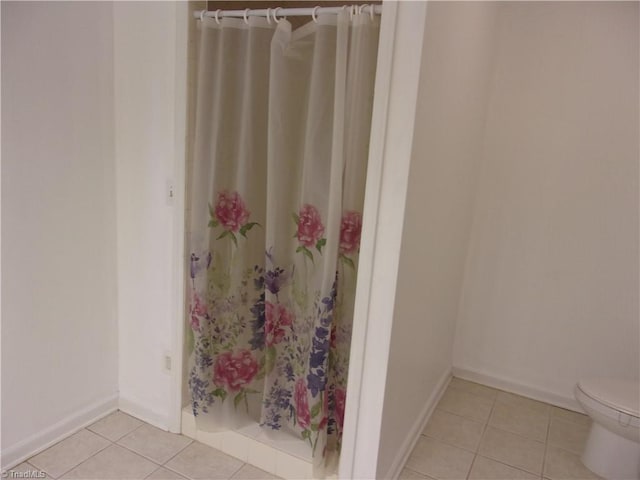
392	129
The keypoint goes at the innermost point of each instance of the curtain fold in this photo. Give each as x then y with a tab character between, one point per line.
276	195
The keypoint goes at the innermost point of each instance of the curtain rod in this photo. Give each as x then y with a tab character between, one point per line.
287	12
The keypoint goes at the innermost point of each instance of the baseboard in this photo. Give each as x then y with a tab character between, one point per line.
15	454
137	409
421	422
513	386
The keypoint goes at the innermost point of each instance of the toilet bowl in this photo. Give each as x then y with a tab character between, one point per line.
613	446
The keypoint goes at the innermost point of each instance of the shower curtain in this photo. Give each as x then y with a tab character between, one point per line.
276	196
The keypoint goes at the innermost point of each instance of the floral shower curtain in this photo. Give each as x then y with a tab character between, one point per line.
277	190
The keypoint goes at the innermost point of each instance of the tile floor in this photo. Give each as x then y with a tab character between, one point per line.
480	433
122	447
475	433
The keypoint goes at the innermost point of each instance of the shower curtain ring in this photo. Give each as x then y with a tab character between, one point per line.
246	12
372	11
361	8
216	16
269	16
202	15
275	14
314	13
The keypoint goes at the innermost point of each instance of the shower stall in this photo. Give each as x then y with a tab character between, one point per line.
275	192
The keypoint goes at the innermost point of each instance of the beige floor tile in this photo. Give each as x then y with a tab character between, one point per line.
562	465
249	472
466	404
199	461
21	471
408	474
520	401
569	416
154	443
164	474
68	453
114	462
521	420
439	460
115	426
514	450
454	430
487	469
568	436
475	388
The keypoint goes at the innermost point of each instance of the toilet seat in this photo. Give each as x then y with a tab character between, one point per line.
623	396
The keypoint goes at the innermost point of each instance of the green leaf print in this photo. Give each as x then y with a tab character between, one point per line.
347	261
246	227
315	410
305	251
220	393
228	233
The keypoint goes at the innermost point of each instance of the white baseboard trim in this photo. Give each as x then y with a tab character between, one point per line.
421	422
137	409
513	386
15	454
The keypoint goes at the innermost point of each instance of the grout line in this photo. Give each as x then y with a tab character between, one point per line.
517	434
475	420
419	473
240	468
119	438
484	431
178	452
33	467
86	459
153	459
444	442
172	471
182	474
154	471
502	462
471	466
546	445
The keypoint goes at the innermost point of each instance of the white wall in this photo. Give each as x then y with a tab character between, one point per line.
150	40
551	286
448	136
59	330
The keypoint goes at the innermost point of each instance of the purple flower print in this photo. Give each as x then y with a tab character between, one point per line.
275	279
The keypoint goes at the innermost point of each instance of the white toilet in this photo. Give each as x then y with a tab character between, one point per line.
613	446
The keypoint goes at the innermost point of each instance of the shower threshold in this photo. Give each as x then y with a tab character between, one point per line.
274	452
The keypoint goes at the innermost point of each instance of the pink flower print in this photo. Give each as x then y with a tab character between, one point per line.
310	228
350	229
198	311
340	397
234	371
302	404
277	317
231	211
333	337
